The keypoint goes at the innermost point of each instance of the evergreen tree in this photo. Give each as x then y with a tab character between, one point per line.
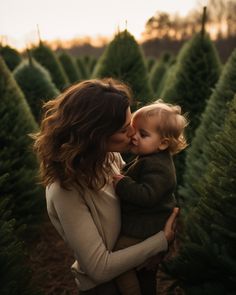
206	263
161	85
15	276
193	77
124	60
212	121
69	66
82	68
47	58
190	83
91	64
150	61
11	56
167	57
157	74
17	161
36	84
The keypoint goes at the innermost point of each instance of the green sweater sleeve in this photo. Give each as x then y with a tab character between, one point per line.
153	183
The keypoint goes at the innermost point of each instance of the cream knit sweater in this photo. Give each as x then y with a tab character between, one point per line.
90	224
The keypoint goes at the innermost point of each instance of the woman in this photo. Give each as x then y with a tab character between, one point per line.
82	133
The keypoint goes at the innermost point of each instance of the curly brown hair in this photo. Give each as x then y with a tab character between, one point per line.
71	143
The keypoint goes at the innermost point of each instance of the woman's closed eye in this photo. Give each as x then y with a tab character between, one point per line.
124	130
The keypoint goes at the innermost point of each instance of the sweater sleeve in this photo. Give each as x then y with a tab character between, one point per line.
82	235
149	190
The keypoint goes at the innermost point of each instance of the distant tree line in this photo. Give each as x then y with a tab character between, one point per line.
155	47
221	19
165	32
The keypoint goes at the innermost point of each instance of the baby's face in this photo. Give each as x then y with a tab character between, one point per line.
146	140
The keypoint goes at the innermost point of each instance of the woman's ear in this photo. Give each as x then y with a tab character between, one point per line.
164	144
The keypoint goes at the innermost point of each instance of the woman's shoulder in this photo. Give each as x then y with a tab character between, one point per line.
55	191
55	188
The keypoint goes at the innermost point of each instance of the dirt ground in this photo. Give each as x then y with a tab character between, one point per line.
50	261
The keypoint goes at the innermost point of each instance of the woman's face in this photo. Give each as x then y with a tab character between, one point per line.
121	140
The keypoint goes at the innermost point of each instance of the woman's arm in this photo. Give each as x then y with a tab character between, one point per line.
82	236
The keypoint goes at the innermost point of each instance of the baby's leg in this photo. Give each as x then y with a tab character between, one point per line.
165	283
128	283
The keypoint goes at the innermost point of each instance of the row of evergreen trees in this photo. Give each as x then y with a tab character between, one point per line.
206	263
21	201
43	74
122	59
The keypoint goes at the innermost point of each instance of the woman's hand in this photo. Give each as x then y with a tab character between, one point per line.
116	179
170	226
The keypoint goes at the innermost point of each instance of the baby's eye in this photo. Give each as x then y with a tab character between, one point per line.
143	135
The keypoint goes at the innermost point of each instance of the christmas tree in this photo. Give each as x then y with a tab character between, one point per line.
17	160
193	77
211	122
157	74
15	276
206	263
124	60
36	84
47	58
11	56
161	85
150	61
69	66
190	83
82	68
89	62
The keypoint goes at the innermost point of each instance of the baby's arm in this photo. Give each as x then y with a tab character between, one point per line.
153	183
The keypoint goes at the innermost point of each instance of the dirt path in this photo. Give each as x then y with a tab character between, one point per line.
50	261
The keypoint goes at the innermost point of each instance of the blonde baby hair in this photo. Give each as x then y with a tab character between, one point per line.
170	123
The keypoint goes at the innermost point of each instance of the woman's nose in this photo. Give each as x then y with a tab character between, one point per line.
131	131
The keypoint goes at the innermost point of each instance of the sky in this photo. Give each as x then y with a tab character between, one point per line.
70	19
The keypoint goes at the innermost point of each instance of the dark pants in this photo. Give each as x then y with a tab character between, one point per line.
108	288
146	278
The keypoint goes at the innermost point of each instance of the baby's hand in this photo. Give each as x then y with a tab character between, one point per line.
116	179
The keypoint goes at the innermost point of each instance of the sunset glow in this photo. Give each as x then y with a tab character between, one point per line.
79	18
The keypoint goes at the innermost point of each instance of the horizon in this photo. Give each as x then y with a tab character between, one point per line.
96	25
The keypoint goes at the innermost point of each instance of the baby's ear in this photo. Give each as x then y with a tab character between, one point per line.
164	144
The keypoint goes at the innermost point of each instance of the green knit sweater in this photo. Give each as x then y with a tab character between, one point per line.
147	194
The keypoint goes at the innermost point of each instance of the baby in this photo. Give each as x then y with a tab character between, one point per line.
146	191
